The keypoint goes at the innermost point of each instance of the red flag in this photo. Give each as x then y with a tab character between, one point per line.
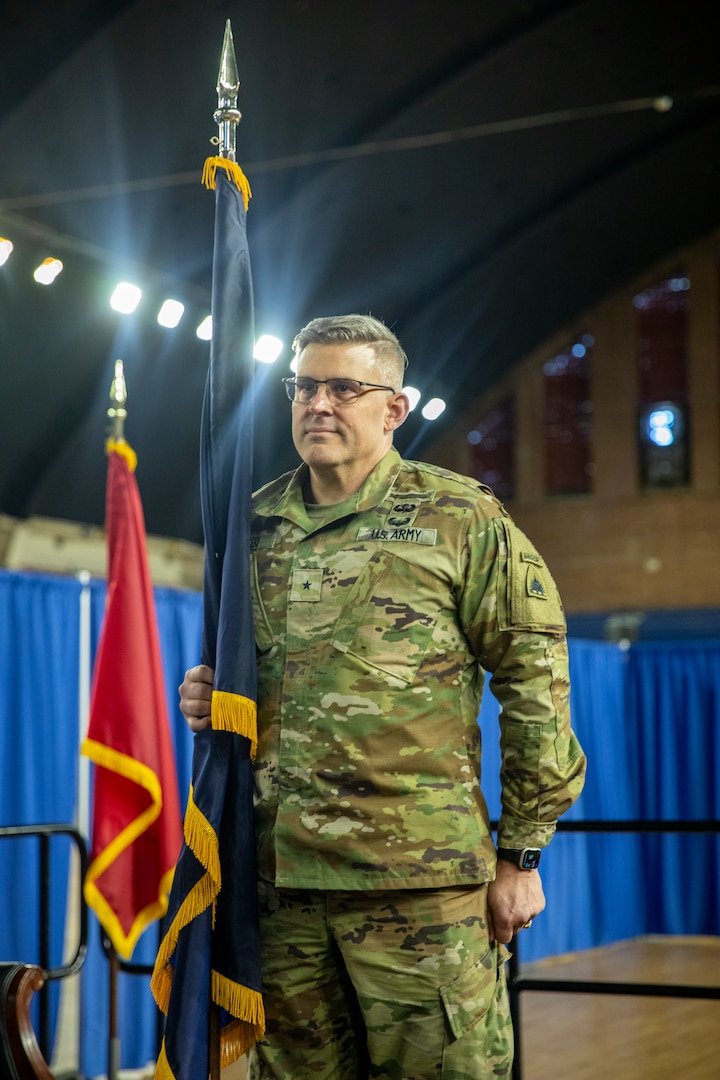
137	831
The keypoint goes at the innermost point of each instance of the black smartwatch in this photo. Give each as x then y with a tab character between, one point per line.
527	859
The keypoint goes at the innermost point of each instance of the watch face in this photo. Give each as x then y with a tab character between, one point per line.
530	859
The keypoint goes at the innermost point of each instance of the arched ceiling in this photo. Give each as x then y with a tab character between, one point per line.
474	174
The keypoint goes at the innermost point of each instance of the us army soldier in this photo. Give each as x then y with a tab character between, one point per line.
383	591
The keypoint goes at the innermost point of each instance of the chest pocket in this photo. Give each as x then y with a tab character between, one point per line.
261	570
390	615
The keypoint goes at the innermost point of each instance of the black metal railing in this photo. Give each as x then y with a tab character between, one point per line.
519	983
44	833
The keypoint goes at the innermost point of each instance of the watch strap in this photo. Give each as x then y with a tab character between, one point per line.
525	858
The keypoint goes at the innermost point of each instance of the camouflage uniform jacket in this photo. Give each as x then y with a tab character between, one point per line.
374	621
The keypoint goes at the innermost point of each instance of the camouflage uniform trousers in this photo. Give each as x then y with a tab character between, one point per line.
401	984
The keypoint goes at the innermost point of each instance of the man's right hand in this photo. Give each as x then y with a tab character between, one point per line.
196	696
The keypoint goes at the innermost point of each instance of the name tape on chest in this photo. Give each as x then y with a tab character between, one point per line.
401	534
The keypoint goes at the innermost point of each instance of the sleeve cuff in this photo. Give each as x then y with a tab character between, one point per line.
517	833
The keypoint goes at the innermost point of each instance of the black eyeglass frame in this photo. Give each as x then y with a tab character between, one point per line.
291	383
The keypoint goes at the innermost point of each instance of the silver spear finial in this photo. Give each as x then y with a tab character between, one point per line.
227	116
118	396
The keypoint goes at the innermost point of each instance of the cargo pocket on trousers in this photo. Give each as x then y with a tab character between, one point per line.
468	997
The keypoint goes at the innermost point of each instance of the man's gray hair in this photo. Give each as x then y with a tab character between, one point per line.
356	330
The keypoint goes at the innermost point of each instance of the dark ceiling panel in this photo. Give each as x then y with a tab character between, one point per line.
539	179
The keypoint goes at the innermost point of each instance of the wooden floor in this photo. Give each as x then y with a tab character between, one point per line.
599	1037
603	1037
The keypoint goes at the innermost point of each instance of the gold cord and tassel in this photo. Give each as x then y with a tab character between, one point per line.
234	173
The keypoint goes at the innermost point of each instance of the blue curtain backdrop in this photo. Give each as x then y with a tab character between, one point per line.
674	694
39	755
39	626
648	718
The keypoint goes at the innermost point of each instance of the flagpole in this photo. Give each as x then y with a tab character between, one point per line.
73	995
227	116
113	1062
210	951
118	396
84	677
117	413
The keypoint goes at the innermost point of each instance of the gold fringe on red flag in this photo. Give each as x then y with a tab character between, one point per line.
125	450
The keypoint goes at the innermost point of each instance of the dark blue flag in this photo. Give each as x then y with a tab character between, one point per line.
209	956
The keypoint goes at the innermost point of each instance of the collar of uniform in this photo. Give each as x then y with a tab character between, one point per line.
290	503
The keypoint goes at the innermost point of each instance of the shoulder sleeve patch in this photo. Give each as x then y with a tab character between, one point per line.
528	597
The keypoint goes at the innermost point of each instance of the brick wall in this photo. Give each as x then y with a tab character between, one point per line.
620	548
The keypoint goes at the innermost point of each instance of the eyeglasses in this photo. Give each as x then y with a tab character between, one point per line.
338	391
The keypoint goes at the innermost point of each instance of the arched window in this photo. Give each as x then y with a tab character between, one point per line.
661	315
568	419
492	449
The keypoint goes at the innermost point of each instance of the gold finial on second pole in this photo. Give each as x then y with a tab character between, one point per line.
227	115
118	396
